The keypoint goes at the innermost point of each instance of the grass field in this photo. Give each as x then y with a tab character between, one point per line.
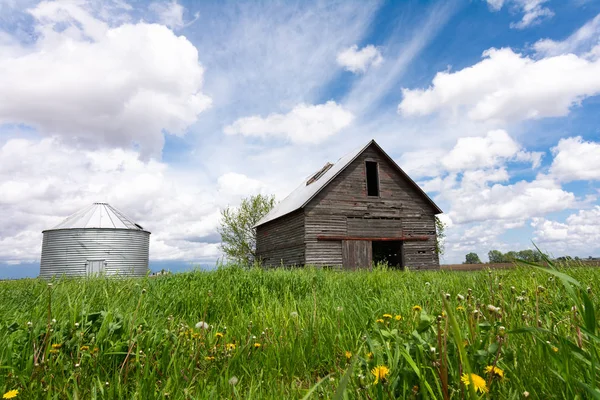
235	333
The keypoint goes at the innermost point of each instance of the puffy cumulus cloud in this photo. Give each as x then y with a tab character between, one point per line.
478	198
579	232
303	124
357	61
233	183
42	182
472	182
494	149
507	86
101	85
489	151
583	40
576	159
533	11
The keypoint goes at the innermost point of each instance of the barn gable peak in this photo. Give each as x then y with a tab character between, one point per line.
317	181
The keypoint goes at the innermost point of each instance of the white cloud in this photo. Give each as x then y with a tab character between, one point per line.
303	124
170	13
101	85
42	182
422	163
506	86
475	200
581	41
495	5
358	61
579	233
533	11
236	184
492	150
576	159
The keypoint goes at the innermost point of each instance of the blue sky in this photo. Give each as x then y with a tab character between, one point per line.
173	110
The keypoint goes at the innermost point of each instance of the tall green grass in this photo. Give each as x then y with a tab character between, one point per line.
303	333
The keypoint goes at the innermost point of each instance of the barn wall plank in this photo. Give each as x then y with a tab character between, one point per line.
281	242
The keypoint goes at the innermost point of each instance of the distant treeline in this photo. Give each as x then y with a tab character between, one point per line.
496	256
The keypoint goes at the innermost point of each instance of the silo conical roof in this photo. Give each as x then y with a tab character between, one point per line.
98	215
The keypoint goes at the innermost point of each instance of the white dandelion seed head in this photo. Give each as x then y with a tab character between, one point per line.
294	314
460	297
29	324
53	321
76	324
76	365
233	380
201	325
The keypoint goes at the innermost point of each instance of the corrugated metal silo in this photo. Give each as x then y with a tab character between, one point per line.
97	239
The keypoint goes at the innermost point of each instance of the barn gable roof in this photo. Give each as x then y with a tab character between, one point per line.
304	193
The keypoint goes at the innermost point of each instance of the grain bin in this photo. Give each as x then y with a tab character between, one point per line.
96	240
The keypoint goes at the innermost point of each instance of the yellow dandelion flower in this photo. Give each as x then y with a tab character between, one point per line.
11	394
218	335
417	308
370	355
478	382
389	316
209	358
348	355
380	372
380	320
555	349
53	351
460	308
230	346
257	345
490	369
84	348
398	317
444	314
56	346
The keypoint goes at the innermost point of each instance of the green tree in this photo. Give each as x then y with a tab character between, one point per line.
472	258
510	256
238	235
495	256
440	228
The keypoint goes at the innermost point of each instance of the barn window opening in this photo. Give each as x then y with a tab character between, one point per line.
388	252
372	178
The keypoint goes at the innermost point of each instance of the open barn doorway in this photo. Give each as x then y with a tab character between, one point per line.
389	252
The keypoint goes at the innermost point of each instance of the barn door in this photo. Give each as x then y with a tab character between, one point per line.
356	254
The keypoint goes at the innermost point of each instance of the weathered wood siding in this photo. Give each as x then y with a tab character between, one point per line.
281	242
356	253
343	208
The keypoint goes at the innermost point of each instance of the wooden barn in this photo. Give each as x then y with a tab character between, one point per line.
360	210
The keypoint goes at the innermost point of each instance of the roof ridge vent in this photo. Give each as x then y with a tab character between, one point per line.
320	173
